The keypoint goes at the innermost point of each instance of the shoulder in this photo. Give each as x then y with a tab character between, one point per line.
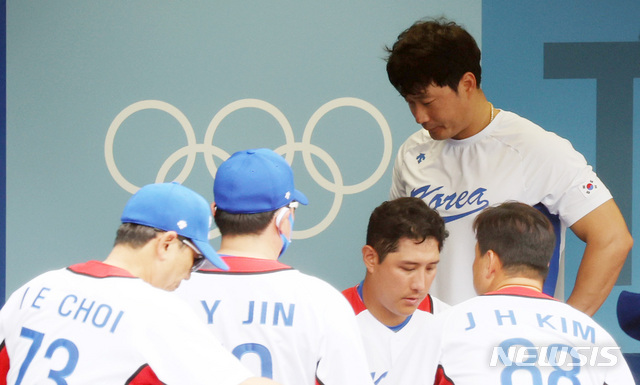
41	285
438	305
527	136
326	299
448	313
417	139
352	296
351	293
318	288
414	150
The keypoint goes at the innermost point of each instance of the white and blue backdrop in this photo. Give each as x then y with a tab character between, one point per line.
103	97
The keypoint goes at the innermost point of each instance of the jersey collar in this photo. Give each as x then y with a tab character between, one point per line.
246	265
520	291
99	269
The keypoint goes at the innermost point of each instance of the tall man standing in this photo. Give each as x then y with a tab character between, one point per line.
469	155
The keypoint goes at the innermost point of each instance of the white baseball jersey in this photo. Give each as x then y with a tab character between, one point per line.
386	346
511	159
97	324
281	323
517	335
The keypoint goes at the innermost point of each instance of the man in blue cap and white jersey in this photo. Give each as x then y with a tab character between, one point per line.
285	325
109	322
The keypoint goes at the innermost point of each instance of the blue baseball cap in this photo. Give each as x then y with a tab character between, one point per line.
628	311
174	207
255	181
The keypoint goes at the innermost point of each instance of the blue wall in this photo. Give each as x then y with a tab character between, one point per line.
3	149
103	97
574	68
101	94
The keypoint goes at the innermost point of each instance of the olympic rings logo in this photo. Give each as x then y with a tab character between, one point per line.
288	149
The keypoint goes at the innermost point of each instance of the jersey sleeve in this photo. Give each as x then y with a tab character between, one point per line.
5	313
619	373
4	364
352	296
441	377
343	359
144	376
397	185
4	355
561	175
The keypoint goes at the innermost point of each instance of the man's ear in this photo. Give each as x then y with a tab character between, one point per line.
494	264
164	240
468	83
282	223
369	257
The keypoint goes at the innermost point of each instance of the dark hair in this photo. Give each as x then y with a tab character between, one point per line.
407	217
241	224
429	52
521	235
134	235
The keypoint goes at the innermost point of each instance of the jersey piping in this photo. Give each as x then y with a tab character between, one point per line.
98	269
245	265
354	296
521	291
144	376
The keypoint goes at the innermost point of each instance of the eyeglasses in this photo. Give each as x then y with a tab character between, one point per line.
199	259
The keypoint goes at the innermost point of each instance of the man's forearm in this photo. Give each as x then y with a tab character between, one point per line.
608	243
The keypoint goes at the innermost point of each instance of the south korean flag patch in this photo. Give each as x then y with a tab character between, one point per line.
589	188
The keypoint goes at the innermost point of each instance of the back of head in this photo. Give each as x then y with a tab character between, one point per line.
521	235
249	187
432	52
406	217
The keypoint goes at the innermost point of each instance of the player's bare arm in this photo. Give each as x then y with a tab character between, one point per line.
608	242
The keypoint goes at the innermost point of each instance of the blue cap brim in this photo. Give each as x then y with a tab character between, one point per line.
300	197
209	253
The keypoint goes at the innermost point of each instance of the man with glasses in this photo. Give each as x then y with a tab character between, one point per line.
108	322
285	325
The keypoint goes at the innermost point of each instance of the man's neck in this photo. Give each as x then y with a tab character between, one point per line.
378	310
525	282
135	261
482	114
252	246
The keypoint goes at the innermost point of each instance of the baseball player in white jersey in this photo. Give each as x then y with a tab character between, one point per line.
392	304
468	156
281	323
109	322
513	333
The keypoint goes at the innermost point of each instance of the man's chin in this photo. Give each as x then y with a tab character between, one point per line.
437	133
